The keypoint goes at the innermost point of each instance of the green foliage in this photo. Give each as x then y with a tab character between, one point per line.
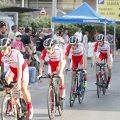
4	3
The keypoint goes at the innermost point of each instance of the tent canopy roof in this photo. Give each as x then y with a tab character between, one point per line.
84	15
17	9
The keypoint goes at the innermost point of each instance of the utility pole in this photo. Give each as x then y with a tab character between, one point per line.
23	2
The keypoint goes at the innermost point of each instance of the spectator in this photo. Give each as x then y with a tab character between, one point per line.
2	29
11	35
85	42
66	36
95	35
58	37
39	44
110	39
26	38
30	61
21	30
79	35
17	44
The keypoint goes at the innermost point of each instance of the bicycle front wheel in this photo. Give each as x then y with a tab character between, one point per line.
73	93
8	110
51	102
104	84
98	86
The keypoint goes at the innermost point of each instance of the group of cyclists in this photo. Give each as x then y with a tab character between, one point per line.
18	69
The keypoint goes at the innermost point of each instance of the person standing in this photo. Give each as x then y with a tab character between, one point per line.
11	35
2	29
79	35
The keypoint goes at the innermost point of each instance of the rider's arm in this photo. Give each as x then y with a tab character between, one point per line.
85	58
19	68
108	60
43	55
94	53
67	54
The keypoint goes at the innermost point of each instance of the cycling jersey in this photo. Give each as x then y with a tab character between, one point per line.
102	49
14	59
55	56
79	51
77	54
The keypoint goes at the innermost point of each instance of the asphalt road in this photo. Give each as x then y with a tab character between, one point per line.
107	107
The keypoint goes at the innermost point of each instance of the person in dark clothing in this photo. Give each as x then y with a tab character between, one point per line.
39	44
2	29
26	38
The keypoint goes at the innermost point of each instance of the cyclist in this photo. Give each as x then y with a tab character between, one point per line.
18	70
56	62
78	56
104	52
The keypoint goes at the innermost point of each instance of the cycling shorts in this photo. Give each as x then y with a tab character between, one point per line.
76	60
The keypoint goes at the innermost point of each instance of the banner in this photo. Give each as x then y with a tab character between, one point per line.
109	9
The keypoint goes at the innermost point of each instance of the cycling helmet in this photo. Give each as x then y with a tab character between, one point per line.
100	37
73	40
4	42
48	42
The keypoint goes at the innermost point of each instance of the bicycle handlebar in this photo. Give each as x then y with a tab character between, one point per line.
76	70
50	76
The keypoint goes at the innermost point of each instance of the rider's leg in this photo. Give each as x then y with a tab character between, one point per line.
109	70
26	93
98	60
83	64
9	78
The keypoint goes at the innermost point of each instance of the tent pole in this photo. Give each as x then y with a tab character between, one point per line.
105	31
114	41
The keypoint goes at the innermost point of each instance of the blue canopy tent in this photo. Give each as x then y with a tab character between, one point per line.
84	15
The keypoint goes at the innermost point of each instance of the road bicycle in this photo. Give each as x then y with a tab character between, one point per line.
102	79
19	107
54	101
77	88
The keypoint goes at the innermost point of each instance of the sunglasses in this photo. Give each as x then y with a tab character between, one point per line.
73	44
19	36
21	29
3	48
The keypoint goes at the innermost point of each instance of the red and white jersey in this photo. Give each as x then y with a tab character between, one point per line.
102	49
55	56
79	51
14	58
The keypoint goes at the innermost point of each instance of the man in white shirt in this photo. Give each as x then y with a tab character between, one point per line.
79	35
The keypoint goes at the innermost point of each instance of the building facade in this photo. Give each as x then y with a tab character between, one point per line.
63	6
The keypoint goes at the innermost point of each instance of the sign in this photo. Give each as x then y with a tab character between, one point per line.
43	11
109	9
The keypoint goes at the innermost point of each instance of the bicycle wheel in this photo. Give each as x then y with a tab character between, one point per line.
73	93
104	84
99	86
51	102
23	109
57	97
5	107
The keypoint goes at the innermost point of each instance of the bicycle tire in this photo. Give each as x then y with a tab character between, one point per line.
81	89
57	97
73	95
51	102
81	95
6	99
104	84
98	85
